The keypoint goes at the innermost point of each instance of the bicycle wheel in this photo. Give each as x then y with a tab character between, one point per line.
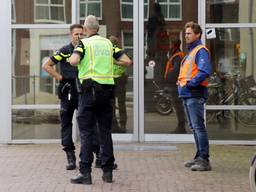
247	117
163	106
252	174
212	100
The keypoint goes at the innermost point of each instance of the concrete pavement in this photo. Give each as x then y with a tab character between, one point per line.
141	168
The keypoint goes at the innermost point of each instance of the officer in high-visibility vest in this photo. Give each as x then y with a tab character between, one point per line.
94	56
171	76
120	79
192	87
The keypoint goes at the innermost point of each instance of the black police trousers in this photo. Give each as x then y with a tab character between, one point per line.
67	108
95	103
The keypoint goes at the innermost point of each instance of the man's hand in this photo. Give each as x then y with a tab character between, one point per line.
48	67
74	59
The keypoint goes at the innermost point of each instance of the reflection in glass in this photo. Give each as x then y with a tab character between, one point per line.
233	61
41	11
30	84
127	9
230	125
230	11
35	124
90	8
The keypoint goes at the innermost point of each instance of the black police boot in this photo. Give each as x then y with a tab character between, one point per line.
85	178
71	160
107	177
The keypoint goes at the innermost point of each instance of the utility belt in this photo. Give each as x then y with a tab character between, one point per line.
90	86
67	88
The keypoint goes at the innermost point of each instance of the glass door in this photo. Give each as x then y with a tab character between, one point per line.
116	23
163	36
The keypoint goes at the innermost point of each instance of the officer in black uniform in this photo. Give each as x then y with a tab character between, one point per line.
95	58
68	94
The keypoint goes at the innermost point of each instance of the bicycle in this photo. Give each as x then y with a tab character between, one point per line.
162	100
240	93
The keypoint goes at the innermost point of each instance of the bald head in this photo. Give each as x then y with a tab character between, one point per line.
91	23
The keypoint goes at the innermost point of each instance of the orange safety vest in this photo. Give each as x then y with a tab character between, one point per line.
189	69
169	64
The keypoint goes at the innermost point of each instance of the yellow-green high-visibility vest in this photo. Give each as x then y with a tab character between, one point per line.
118	69
97	63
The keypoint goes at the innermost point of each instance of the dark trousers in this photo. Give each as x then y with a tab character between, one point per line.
67	108
178	106
120	96
95	104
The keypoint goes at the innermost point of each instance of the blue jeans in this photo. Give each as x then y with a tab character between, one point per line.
194	108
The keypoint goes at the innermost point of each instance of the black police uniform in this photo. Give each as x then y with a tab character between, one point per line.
95	102
68	95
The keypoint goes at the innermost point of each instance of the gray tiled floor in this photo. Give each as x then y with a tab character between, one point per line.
142	168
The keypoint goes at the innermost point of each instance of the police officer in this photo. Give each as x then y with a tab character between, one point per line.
67	93
94	56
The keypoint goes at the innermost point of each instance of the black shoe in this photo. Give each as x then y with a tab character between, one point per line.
82	179
107	177
71	160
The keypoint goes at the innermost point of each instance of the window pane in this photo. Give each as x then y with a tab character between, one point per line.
127	1
57	2
162	1
57	14
94	9
42	12
35	124
38	11
175	11
30	84
82	10
232	53
175	1
164	11
227	125
42	1
127	11
230	11
145	11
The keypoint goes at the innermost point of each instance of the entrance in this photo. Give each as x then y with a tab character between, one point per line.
163	33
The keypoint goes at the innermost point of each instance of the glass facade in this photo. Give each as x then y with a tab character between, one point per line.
33	88
41	11
230	11
40	27
231	40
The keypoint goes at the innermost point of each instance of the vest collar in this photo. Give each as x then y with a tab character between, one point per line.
194	44
93	35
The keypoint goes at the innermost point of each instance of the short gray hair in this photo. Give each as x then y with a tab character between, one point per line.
91	22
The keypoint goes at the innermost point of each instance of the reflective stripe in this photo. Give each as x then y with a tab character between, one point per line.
57	57
65	55
79	49
188	69
169	64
